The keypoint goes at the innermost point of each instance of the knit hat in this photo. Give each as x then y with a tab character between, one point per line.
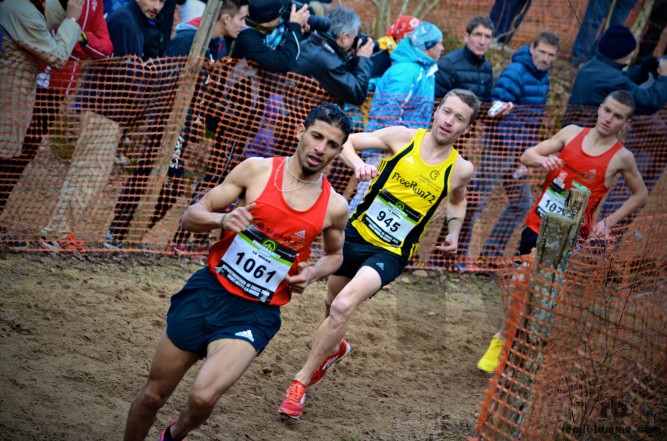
262	11
425	36
617	42
404	25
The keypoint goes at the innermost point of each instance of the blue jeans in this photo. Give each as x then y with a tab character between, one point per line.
507	15
492	169
596	13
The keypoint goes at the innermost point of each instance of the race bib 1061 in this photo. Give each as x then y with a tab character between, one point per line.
256	263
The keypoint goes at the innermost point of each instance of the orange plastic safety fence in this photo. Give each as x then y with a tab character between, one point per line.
585	354
85	174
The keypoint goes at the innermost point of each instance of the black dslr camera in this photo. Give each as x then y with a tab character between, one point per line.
316	23
361	40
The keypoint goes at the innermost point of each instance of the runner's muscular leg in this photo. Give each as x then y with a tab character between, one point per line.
332	330
167	369
334	286
226	362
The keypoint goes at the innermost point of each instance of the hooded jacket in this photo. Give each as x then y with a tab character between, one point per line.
97	47
404	95
521	82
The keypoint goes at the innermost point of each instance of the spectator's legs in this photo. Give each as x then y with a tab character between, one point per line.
91	166
596	14
47	106
507	15
656	23
489	171
227	152
647	139
519	203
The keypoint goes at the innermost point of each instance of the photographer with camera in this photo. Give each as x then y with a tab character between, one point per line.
339	58
270	18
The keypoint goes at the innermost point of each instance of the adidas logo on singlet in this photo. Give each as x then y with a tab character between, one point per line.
245	334
300	234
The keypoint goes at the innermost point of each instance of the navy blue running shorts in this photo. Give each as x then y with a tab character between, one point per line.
203	311
357	253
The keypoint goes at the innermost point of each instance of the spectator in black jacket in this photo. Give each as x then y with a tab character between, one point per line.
337	60
342	65
264	20
158	36
129	26
468	68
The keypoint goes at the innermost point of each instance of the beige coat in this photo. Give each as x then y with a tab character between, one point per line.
26	44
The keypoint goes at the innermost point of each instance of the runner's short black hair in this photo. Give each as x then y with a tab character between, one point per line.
331	114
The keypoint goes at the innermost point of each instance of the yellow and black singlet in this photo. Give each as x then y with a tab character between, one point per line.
403	198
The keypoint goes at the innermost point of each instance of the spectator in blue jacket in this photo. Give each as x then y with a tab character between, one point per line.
467	68
507	15
404	95
524	83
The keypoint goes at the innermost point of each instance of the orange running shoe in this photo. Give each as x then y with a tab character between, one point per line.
330	361
295	399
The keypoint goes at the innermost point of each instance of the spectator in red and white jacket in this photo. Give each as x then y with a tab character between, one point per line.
94	42
53	84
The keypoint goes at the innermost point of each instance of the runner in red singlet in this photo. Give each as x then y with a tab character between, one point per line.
580	157
228	312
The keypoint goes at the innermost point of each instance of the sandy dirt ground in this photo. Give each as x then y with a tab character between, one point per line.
77	333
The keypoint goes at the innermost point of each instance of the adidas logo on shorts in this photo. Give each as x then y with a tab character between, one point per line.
245	334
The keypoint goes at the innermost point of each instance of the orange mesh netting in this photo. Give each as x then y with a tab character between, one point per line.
585	353
90	162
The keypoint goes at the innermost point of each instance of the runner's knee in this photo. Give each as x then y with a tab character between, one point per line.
203	399
152	397
341	309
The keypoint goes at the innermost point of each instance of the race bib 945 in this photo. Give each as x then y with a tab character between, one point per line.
390	219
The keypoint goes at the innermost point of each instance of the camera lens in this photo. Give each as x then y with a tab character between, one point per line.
320	24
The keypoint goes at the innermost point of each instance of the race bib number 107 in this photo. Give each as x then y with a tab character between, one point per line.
256	263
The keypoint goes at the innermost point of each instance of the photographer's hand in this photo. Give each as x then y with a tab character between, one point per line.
662	67
366	50
299	16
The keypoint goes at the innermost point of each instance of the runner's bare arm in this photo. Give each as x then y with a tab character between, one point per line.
333	237
389	139
638	193
543	155
456	205
207	214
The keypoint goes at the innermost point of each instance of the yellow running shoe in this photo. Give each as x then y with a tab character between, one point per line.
489	360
